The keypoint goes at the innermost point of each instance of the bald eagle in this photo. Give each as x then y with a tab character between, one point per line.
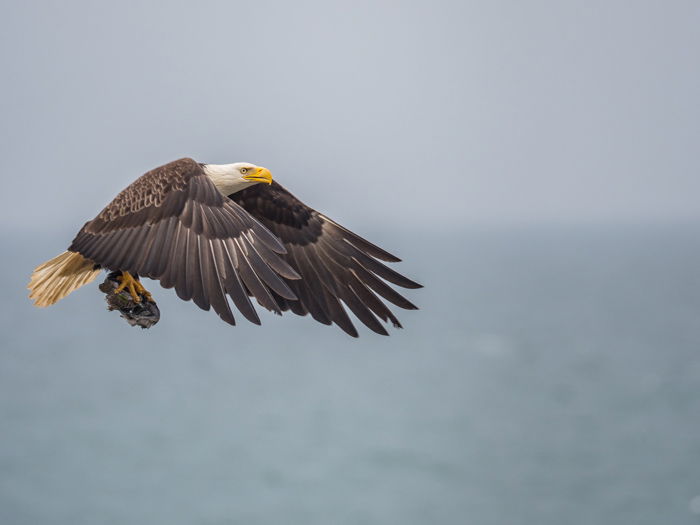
212	231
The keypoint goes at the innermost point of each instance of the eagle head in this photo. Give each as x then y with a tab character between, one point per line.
231	178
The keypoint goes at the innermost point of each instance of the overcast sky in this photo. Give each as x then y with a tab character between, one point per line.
460	113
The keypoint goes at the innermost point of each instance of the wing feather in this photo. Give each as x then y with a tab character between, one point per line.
309	290
253	282
264	271
234	286
337	267
173	225
220	303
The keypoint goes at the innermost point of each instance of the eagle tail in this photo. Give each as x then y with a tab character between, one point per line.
60	276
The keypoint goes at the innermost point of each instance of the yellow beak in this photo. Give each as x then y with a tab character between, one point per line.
259	175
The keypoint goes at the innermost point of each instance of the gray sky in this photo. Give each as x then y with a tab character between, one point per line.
457	112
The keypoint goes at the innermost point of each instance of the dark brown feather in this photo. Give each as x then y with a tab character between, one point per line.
334	263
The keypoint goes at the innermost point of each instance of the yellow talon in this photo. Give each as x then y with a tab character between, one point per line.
135	288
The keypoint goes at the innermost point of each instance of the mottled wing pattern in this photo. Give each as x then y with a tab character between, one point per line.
173	225
334	263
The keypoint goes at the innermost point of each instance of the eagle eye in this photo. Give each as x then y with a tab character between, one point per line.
244	170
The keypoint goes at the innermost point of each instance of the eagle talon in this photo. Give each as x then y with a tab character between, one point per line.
134	287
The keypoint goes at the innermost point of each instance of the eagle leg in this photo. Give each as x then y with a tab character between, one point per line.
134	286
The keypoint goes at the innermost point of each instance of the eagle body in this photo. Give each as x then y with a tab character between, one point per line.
214	232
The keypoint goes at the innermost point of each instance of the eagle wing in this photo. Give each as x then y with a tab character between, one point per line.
173	225
335	264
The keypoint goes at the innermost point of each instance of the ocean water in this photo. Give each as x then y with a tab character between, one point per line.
552	376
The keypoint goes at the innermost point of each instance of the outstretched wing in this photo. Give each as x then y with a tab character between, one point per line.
173	225
334	263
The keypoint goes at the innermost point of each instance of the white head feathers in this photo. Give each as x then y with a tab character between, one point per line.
230	178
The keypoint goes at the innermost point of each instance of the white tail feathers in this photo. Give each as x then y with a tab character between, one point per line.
58	277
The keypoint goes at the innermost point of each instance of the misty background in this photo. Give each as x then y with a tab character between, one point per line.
535	165
537	111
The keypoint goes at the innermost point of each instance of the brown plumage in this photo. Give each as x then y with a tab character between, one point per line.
335	264
174	225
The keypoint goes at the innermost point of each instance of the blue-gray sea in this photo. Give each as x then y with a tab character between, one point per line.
552	376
